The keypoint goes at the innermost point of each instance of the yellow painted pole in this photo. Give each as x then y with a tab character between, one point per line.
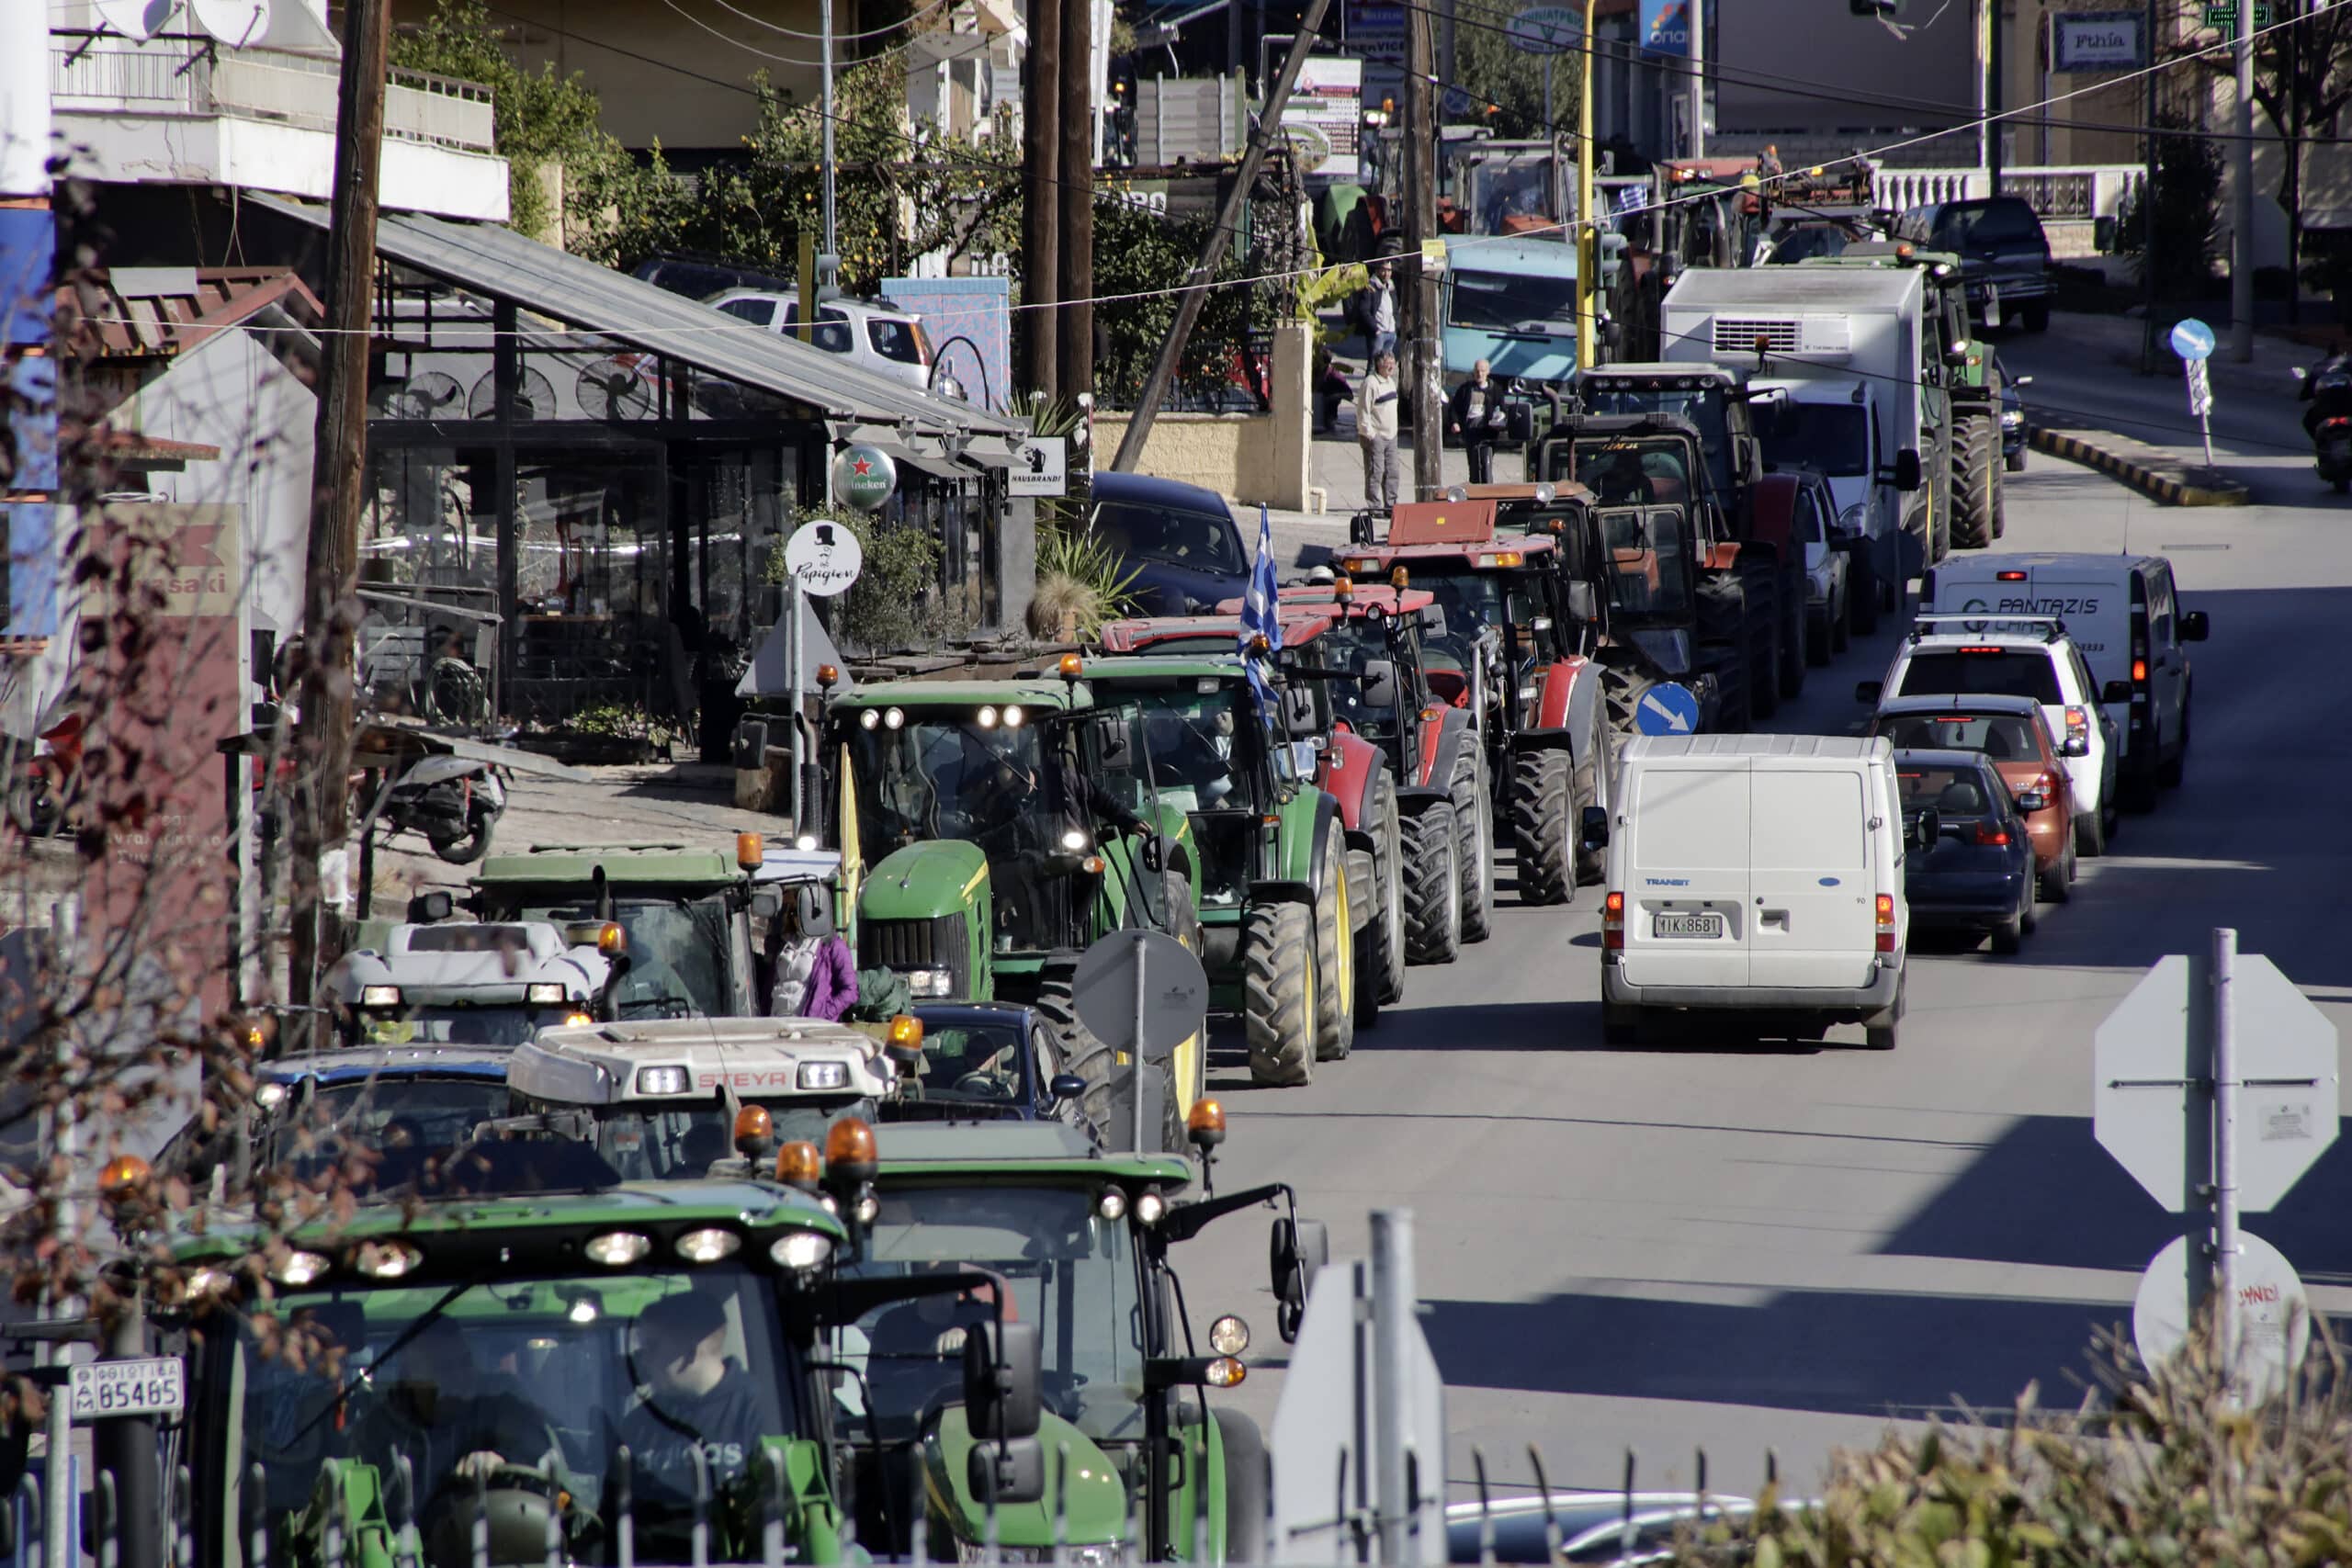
1588	235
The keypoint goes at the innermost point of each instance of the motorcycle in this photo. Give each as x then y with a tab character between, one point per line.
2329	389
454	802
2333	441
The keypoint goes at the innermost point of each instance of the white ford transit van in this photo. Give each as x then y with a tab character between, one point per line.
1756	875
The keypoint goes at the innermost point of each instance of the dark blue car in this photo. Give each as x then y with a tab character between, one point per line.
1975	872
1180	540
991	1060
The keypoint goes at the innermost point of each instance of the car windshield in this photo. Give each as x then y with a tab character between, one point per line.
1993	671
679	1142
677	955
1059	1265
1952	792
2002	737
1980	225
1171	536
519	1373
377	1117
1830	438
1647	564
974	1061
1512	302
511	1024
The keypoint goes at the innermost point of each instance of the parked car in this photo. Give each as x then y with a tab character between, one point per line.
1179	539
1594	1527
1974	868
2015	736
1797	504
2004	256
880	335
2012	416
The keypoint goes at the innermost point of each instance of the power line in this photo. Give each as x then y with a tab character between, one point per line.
922	10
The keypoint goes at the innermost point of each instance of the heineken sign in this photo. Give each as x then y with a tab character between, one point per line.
864	477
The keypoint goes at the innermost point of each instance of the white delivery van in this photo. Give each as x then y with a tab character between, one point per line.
2124	615
1758	874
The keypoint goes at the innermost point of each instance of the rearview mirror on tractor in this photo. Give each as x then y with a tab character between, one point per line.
1378	688
1295	1252
1299	712
1002	1380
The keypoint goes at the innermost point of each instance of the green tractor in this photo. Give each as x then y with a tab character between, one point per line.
559	1368
1088	1436
1301	915
991	831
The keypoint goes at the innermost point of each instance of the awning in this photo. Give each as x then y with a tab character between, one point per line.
502	264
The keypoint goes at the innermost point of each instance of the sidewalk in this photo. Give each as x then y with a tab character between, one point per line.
2117	340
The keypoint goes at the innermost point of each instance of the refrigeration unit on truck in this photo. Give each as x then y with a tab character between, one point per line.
1834	336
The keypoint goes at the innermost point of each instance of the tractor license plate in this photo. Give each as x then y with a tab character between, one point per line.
154	1386
1705	926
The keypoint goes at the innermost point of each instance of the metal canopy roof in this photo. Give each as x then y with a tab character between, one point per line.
502	264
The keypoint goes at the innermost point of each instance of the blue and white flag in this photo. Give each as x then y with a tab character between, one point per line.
1261	616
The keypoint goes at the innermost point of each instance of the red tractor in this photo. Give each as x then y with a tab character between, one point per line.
1537	699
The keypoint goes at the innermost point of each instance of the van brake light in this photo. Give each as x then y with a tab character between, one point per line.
2139	671
2008	577
1613	923
1886	922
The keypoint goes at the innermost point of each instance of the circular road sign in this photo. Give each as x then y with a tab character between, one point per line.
1667	708
864	477
1546	30
1175	991
823	558
2193	339
2273	1318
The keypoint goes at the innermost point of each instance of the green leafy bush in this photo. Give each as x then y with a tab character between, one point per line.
896	601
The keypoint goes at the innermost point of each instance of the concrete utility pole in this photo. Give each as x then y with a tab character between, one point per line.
1992	94
320	808
1424	372
1076	340
1587	233
2242	196
828	265
1229	218
1698	25
1041	163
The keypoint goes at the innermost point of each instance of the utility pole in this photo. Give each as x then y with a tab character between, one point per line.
320	808
1041	163
2242	196
1992	94
2148	330
1229	218
1698	72
828	265
1076	358
2225	1139
1587	233
1420	315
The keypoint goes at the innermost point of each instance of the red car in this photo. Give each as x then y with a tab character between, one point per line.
2015	736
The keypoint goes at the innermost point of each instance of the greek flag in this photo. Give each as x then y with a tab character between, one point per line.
1260	615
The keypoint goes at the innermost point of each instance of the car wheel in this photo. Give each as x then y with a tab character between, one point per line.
2036	318
1842	624
2016	461
2008	936
2090	835
2169	771
1816	637
1880	1029
2058	882
1862	596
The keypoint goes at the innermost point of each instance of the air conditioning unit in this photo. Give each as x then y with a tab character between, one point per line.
1808	337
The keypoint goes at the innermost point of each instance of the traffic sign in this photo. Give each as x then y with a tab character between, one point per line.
864	477
1040	467
2193	339
1545	30
2274	1317
1134	972
1667	708
2225	18
2151	1095
823	558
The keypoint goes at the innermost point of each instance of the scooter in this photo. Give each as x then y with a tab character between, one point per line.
2331	424
455	802
2333	444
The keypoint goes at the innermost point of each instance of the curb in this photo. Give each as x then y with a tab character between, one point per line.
2154	474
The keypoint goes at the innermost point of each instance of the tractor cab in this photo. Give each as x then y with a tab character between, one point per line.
661	1098
487	983
1365	643
1649	528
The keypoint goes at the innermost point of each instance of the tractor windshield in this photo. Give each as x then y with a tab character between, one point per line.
524	1385
1634	469
1378	677
1645	558
679	1142
368	1118
1062	1267
680	953
1704	406
1203	742
456	1023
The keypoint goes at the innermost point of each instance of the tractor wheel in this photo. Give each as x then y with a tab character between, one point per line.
1584	789
1543	812
1432	856
1473	819
1105	1100
1622	691
1975	440
1278	992
1723	631
1335	955
1384	975
1363	889
1759	587
1185	925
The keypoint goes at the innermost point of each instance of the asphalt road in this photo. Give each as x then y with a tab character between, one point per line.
1744	1248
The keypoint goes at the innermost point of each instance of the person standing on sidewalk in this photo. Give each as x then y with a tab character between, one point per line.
1376	432
1376	313
1475	419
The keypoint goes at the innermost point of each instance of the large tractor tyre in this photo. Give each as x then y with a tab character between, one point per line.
1473	819
1622	692
2001	494
1185	925
1723	632
1543	812
1432	866
1385	974
1105	1100
1335	954
1364	885
1975	442
1760	587
1249	1486
1278	992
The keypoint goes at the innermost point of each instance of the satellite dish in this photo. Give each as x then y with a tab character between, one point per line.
236	23
534	396
616	386
139	19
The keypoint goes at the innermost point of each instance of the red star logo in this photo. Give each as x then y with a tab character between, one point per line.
862	468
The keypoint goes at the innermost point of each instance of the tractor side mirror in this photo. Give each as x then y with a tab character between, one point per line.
428	908
1909	474
1002	1376
1592	827
1582	606
1299	712
1432	619
767	901
1378	688
1295	1251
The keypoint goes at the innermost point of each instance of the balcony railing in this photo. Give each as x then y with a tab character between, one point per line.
97	73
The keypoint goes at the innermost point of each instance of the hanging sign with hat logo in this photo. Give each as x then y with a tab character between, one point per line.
823	558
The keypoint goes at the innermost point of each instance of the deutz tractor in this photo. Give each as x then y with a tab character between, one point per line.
1052	1379
1536	699
1366	644
989	832
1284	873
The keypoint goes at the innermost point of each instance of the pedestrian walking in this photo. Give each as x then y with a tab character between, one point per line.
1376	432
1476	419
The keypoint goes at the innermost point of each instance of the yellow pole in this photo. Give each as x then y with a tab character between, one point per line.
1588	236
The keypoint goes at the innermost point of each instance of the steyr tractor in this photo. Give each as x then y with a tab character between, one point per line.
1089	1433
1536	699
990	831
1288	863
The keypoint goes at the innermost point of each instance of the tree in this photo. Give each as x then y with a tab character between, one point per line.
2187	196
1509	81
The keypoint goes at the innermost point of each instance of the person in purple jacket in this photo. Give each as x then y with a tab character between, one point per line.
816	975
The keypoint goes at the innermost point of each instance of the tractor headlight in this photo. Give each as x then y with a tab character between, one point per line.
299	1269
802	1250
2012	418
870	719
379	996
661	1080
822	1075
548	995
929	982
1012	717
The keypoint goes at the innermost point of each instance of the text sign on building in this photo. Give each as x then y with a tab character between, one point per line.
2097	40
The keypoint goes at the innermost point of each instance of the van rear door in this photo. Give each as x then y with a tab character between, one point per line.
2095	604
1810	887
1686	894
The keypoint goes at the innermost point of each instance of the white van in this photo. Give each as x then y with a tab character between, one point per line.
2122	613
1754	874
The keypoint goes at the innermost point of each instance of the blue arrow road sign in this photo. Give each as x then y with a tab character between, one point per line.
1667	708
2193	339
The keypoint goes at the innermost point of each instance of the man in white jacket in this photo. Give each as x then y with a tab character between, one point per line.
1376	432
